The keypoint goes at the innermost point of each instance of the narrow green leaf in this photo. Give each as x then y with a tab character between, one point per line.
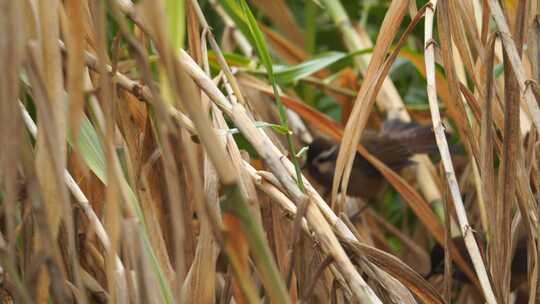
257	36
236	13
176	22
311	66
89	146
311	12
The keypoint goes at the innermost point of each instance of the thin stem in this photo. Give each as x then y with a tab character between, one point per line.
470	242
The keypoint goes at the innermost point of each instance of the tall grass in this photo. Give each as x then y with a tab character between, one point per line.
152	151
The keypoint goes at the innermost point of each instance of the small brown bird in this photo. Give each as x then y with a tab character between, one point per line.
519	262
393	145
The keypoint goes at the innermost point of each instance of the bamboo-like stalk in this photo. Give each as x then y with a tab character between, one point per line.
290	207
143	222
515	62
219	99
221	59
470	242
210	89
282	169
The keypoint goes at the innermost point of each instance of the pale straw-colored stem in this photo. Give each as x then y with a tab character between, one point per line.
470	242
284	170
509	45
322	218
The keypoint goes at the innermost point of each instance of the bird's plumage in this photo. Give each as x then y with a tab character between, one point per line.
519	263
393	145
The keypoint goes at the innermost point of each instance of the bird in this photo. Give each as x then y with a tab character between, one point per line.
393	145
519	261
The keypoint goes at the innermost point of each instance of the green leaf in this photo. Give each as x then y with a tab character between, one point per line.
235	12
498	70
306	68
176	22
89	146
257	36
232	59
311	11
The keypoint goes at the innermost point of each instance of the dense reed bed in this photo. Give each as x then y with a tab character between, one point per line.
156	151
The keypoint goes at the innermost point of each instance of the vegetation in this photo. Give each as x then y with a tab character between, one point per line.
153	151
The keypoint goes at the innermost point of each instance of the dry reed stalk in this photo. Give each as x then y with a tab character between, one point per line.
378	257
53	185
210	89
515	62
278	165
160	164
112	208
87	209
200	79
486	143
221	59
470	241
12	46
75	76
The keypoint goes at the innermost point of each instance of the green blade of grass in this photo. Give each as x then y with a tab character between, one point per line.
294	73
90	147
264	55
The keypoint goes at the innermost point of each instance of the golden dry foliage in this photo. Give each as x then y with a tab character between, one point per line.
153	151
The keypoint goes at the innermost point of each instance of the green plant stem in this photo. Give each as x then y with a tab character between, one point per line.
257	36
